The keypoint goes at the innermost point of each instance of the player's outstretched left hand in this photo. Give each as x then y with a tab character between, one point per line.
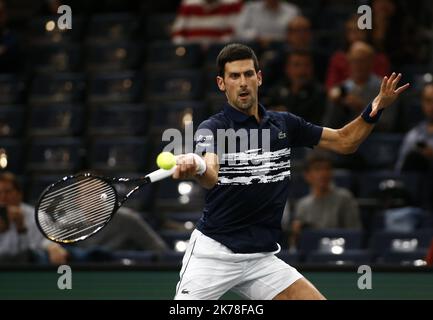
388	93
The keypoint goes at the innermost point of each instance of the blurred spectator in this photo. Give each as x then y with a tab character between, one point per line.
126	231
265	21
299	92
20	238
9	60
429	257
353	95
416	152
49	7
396	32
327	206
339	67
205	21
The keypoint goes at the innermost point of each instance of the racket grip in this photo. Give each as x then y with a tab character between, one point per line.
160	174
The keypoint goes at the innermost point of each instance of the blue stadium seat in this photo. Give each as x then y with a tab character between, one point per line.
171	257
120	87
158	26
45	30
177	114
128	119
384	242
11	121
166	55
380	150
288	257
118	154
172	236
11	89
57	88
56	120
174	85
134	256
112	27
55	57
368	183
403	258
11	155
348	257
113	57
328	240
180	195
55	155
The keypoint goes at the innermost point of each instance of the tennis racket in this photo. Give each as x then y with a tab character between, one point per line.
76	207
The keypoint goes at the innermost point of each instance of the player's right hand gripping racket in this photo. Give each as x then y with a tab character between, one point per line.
76	207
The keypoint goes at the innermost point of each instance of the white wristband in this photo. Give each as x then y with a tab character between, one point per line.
201	164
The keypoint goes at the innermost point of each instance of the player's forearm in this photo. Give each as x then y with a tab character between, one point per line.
353	134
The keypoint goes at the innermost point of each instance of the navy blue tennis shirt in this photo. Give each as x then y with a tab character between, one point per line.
243	210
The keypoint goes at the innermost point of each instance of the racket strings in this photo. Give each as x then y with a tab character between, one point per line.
77	209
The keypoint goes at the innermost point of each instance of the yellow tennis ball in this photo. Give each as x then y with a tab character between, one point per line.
166	160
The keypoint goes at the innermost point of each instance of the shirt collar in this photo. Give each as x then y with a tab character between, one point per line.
239	116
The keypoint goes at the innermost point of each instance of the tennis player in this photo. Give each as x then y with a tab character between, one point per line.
234	244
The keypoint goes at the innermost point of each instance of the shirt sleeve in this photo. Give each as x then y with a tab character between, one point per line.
303	133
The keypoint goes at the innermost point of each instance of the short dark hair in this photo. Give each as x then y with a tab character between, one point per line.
12	179
316	157
234	52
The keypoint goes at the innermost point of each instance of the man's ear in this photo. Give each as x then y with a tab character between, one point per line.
220	82
259	77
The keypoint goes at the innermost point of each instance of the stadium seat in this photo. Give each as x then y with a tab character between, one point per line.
11	155
132	257
11	89
368	183
180	195
55	155
174	85
384	242
288	257
112	57
348	257
172	236
158	26
166	55
127	119
120	87
380	151
56	120
57	88
171	258
45	30
11	121
54	57
177	114
111	27
414	258
334	241
118	154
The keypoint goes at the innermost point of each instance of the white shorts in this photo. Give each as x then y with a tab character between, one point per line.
210	269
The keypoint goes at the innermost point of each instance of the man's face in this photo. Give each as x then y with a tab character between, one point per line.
241	84
299	68
319	175
299	33
361	64
427	102
9	196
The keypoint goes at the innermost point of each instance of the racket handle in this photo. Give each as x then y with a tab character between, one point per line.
160	174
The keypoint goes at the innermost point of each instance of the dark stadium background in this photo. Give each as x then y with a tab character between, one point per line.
99	96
